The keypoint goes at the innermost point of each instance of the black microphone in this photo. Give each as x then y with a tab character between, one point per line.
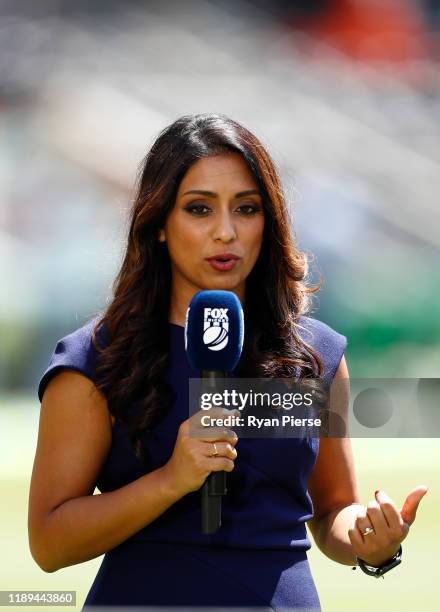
214	334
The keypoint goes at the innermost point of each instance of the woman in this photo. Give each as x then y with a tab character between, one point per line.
115	404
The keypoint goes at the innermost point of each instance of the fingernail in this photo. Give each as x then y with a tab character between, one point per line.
376	492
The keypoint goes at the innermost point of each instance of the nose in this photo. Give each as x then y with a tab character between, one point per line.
224	228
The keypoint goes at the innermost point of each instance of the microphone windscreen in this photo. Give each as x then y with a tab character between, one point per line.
214	331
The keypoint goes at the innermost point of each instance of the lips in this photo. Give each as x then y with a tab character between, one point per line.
223	257
223	262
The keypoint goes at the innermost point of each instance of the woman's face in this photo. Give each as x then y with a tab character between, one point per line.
218	211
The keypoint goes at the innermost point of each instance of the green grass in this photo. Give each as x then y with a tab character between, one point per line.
395	466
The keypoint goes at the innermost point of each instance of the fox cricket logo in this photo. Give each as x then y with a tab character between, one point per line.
215	328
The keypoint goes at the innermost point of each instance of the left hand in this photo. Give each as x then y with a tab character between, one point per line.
390	525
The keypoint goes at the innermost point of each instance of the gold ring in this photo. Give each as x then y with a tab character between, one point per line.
367	531
215	453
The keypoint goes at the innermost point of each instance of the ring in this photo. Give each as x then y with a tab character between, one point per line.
215	453
367	531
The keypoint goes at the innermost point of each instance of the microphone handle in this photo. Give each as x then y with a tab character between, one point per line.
214	486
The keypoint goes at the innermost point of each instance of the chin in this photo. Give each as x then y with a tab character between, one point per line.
220	281
224	283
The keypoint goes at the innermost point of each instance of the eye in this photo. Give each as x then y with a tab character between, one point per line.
249	209
198	210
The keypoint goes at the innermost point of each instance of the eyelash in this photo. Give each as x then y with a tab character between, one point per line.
193	207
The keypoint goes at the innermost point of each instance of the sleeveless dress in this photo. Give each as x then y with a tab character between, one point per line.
258	557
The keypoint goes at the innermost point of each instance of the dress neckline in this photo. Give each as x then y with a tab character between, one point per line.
182	327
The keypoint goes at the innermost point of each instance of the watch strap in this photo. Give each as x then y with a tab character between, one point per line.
371	570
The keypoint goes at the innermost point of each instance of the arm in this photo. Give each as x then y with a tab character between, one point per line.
333	487
68	524
339	517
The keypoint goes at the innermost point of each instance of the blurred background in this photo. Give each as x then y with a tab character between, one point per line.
346	96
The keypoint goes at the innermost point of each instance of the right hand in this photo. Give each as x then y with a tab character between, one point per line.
191	461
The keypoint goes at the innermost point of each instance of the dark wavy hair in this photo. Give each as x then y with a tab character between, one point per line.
132	362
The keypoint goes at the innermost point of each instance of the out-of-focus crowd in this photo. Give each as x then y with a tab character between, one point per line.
345	93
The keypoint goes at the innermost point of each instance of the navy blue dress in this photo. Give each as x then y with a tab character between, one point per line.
258	558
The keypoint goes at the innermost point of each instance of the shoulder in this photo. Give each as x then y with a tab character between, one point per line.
329	343
74	351
80	338
313	331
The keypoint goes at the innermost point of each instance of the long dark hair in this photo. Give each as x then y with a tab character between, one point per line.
132	363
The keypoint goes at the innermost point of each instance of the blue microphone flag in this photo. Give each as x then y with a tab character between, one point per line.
214	331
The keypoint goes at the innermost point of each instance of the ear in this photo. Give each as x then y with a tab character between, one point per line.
161	237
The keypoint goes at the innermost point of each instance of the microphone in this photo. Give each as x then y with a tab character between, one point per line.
214	334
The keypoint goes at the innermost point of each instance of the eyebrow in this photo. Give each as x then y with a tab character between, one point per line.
212	194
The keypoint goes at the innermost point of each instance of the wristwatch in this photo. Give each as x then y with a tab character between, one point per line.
371	570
